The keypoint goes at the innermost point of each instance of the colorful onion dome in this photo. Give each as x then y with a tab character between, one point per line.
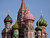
42	22
8	19
15	26
38	28
29	16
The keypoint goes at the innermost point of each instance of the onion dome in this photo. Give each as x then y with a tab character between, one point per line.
8	19
15	26
29	16
42	22
38	28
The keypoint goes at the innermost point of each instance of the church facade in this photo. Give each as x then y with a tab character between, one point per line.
23	28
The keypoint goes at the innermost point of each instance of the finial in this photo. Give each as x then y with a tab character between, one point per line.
38	23
41	12
28	5
8	11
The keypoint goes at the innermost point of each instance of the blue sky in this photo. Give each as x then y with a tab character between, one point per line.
34	6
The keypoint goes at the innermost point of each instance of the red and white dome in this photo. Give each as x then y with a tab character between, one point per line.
29	16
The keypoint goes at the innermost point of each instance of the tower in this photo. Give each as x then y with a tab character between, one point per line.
20	16
43	25
6	32
15	30
29	31
38	30
21	12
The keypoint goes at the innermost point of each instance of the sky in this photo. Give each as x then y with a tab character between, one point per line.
35	7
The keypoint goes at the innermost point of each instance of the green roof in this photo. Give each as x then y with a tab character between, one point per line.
38	35
42	22
15	26
38	28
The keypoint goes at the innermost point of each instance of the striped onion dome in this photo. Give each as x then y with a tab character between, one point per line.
8	19
15	26
42	22
29	16
38	28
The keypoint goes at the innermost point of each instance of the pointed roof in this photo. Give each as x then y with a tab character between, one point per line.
15	26
23	6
